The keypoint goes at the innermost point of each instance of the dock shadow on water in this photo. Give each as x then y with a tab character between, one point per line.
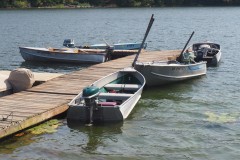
28	136
8	146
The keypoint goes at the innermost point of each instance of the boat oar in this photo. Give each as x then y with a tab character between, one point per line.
146	34
108	45
181	54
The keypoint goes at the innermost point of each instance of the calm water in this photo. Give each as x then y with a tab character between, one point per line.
197	119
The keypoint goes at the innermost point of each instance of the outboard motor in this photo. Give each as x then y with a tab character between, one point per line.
90	96
109	50
69	43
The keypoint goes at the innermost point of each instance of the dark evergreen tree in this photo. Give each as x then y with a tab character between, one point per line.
147	3
125	3
158	2
35	3
4	4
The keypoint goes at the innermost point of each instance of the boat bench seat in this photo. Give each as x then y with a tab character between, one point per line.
114	96
127	87
107	103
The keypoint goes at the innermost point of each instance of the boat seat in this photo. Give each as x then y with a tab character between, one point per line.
127	87
107	103
114	96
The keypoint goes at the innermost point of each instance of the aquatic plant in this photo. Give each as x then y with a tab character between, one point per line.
221	118
47	127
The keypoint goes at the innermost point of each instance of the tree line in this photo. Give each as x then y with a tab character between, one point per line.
116	3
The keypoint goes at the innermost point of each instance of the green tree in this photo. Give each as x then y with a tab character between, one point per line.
125	3
20	4
35	3
120	3
95	2
158	2
4	4
147	3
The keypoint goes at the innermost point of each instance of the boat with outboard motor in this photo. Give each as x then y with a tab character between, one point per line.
164	72
120	46
109	99
206	51
66	55
116	46
112	98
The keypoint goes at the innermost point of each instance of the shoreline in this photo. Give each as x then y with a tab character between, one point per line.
111	6
64	7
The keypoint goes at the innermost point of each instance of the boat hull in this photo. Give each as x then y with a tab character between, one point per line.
64	55
120	46
80	113
159	73
103	114
214	61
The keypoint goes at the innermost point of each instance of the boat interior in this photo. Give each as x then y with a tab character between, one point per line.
118	90
205	51
76	50
115	92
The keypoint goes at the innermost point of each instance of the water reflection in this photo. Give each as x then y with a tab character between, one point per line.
97	134
19	140
173	91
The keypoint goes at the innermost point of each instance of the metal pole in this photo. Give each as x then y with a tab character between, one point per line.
146	34
180	57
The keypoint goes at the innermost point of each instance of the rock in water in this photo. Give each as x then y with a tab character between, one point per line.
21	79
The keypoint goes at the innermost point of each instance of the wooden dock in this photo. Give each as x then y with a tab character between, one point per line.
27	108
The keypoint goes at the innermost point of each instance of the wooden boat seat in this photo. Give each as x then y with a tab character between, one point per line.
127	87
114	96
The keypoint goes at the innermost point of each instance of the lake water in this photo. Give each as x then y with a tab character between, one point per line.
197	119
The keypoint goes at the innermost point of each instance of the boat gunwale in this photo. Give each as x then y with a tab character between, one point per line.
154	63
178	77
